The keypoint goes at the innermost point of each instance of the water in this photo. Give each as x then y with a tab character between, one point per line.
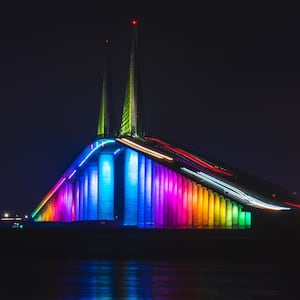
64	279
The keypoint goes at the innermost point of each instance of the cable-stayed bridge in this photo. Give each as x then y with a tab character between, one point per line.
126	178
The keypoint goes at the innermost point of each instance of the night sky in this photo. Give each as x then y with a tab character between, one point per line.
223	80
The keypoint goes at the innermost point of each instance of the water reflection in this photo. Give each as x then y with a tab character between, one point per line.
114	280
130	279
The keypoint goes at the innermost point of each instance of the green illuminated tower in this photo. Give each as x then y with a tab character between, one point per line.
133	116
105	119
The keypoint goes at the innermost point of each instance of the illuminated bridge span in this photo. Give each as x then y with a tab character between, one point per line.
130	179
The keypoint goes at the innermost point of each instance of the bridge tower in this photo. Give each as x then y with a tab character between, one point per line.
132	123
105	121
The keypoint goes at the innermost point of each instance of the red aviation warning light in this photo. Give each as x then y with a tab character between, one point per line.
134	22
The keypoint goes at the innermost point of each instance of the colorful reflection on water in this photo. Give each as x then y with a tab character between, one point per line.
130	279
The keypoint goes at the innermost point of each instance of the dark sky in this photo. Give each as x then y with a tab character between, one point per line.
221	80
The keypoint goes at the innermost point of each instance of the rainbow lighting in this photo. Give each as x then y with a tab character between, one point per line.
126	179
61	187
153	195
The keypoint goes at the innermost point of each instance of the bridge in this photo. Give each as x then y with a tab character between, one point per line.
126	178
